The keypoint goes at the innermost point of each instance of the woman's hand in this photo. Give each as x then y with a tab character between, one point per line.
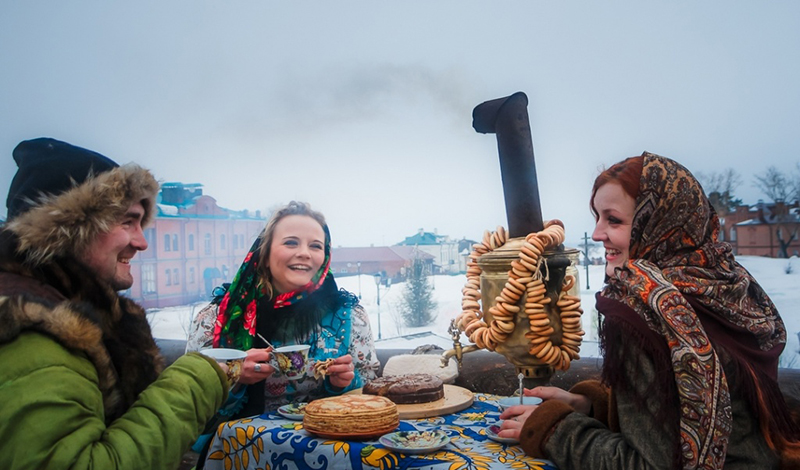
579	403
256	367
514	417
512	427
342	372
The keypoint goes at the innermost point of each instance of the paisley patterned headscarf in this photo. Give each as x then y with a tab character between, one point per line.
235	326
674	255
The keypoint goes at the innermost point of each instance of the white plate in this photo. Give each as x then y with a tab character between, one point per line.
294	411
504	403
491	433
415	442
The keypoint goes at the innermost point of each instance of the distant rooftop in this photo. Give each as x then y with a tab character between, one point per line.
187	200
425	238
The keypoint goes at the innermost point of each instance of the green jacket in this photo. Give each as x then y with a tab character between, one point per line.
52	411
82	383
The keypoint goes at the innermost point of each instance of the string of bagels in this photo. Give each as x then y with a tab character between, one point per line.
524	277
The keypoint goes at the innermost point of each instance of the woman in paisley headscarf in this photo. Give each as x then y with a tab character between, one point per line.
285	293
690	342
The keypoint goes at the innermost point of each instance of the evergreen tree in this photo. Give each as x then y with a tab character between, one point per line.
417	305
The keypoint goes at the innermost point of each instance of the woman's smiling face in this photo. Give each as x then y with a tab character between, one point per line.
296	253
615	211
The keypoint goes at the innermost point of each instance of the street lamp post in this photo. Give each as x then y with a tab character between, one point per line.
378	287
586	257
359	279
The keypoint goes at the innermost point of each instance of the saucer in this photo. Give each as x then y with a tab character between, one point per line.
491	433
293	411
415	442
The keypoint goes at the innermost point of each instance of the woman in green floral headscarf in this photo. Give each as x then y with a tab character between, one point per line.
284	292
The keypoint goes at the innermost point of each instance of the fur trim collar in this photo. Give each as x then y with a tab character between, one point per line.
65	224
61	322
111	330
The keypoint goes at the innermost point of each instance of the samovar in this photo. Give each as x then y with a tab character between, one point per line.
508	119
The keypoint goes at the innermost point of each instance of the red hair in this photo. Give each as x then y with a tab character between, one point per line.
626	173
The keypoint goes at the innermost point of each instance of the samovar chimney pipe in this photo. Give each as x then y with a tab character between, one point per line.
508	119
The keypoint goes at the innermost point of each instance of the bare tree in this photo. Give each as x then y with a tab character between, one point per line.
720	188
783	245
796	181
776	185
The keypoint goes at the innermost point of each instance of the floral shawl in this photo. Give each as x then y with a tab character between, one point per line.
235	326
676	264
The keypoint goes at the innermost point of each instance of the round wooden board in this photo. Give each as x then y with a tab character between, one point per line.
455	399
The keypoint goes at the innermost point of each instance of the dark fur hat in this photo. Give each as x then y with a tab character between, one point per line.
63	196
50	167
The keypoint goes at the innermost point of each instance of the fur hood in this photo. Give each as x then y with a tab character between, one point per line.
111	330
65	224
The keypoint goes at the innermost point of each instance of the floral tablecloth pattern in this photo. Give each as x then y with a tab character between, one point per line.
272	442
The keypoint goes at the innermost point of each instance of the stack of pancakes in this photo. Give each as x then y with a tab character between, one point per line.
351	415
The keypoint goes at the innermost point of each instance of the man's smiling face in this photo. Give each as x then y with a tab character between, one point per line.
109	255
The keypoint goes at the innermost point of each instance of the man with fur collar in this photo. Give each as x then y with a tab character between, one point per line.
82	383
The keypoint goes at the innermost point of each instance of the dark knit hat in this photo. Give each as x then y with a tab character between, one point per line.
50	167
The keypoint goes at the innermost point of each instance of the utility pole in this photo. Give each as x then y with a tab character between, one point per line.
378	279
586	256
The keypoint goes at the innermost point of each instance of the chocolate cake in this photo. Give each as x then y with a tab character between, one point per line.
407	389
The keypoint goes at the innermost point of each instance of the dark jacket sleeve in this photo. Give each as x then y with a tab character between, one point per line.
576	441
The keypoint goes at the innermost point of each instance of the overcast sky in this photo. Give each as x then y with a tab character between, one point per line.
364	108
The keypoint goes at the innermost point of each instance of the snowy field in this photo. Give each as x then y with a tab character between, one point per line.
783	288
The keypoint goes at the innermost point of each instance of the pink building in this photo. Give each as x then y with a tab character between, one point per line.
390	262
771	230
194	246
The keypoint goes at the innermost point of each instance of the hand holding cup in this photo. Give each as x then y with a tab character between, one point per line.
257	366
233	359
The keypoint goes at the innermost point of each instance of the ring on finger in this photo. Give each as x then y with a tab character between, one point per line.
257	367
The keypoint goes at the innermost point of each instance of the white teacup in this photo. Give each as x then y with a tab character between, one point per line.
504	403
233	358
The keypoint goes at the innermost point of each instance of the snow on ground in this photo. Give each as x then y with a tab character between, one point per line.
783	288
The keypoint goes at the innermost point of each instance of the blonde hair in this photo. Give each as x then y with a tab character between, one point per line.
293	208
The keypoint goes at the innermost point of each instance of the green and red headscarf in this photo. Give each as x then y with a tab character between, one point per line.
677	269
235	326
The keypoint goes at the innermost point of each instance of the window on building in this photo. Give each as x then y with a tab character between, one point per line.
148	279
207	243
235	241
733	234
191	242
175	280
166	242
169	277
241	240
222	242
191	275
175	242
150	236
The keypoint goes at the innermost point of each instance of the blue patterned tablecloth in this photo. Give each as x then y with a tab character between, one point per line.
271	442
